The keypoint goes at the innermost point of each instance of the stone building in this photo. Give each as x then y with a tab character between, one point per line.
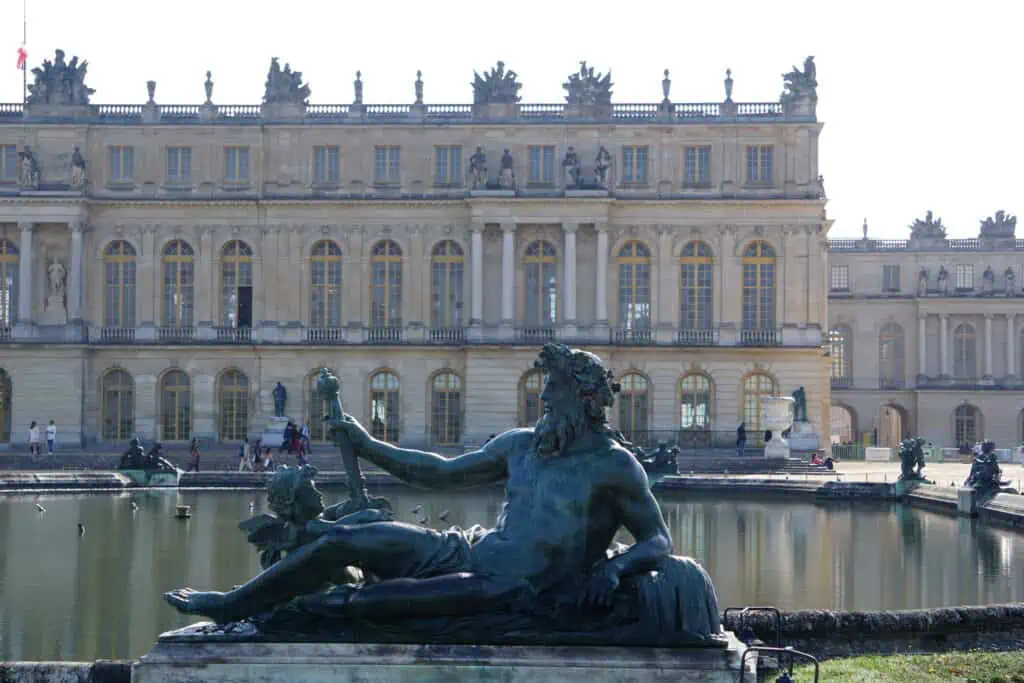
926	336
163	266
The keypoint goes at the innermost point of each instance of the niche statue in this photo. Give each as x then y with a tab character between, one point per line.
549	573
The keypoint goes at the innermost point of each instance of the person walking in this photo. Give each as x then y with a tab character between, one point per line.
51	437
243	455
33	438
305	434
194	452
741	439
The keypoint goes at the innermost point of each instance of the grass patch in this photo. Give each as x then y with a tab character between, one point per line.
973	667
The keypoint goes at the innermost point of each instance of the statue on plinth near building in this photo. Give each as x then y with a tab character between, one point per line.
478	169
77	169
800	405
585	88
280	395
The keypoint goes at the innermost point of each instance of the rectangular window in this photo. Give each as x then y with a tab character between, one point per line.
697	166
121	158
387	164
634	165
326	169
890	278
179	165
8	163
965	277
759	164
236	165
840	279
542	164
448	165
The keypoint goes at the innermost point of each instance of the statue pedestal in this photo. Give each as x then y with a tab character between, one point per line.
54	313
777	447
178	661
273	434
802	437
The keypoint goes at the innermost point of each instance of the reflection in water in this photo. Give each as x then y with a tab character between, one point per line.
70	597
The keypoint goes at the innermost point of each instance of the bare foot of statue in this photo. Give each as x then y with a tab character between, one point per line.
209	604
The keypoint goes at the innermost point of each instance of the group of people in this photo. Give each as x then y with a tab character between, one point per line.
253	456
34	443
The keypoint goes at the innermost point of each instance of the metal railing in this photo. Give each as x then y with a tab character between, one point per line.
535	334
760	337
117	335
6	332
233	335
631	336
697	336
326	335
389	334
446	335
175	334
693	441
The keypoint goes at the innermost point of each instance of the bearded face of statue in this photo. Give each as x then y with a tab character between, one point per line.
564	418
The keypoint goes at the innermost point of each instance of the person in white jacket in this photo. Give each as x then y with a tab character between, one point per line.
51	437
33	438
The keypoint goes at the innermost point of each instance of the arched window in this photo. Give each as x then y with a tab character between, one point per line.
118	406
541	291
530	405
633	408
756	387
446	408
634	286
695	401
119	269
175	407
384	406
965	344
236	285
8	283
316	408
842	424
759	287
839	353
6	403
696	266
233	406
890	357
966	425
179	284
325	285
386	285
446	270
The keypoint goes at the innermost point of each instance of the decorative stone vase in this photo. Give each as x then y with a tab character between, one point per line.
777	417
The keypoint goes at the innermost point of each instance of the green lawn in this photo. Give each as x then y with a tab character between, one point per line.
975	667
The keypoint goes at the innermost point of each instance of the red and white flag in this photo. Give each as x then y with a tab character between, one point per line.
22	58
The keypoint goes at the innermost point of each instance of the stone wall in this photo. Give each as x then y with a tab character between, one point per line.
101	671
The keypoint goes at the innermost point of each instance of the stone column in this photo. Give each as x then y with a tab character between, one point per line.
988	347
206	284
477	265
1011	345
76	283
508	246
601	280
922	346
25	258
569	278
944	345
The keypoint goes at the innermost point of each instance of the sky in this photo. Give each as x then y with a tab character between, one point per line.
921	101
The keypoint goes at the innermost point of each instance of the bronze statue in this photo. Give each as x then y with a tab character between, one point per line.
912	460
800	405
280	395
985	476
549	571
134	458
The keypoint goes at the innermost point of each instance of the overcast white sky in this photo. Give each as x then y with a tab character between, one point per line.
921	101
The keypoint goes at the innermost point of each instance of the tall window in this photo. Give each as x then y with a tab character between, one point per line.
759	164
387	164
446	270
965	346
448	165
840	279
179	165
233	406
634	164
966	423
541	291
326	165
839	353
446	408
175	407
890	278
965	277
890	356
635	286
541	164
236	165
118	406
633	403
119	269
695	401
8	163
384	406
6	397
8	282
179	278
386	285
697	166
530	405
696	264
756	387
120	163
236	284
325	285
759	286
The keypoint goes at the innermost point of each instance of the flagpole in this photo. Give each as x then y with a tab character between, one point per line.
24	42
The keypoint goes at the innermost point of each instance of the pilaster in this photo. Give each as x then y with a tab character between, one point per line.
508	255
569	278
601	281
25	326
477	265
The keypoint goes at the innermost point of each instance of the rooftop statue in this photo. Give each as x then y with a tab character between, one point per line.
587	88
284	86
59	83
496	86
1001	224
549	572
929	227
800	84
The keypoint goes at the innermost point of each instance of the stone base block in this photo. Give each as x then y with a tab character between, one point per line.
967	502
170	662
803	438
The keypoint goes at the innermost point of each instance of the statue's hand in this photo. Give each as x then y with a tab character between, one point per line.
600	588
356	433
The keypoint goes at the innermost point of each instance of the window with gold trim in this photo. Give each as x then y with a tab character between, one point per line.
386	284
757	386
448	165
119	270
759	286
179	284
760	162
446	409
236	284
8	283
446	272
965	346
236	165
118	406
325	285
233	406
966	425
633	400
530	406
8	163
120	163
696	277
695	401
634	164
634	263
175	406
540	267
385	416
697	166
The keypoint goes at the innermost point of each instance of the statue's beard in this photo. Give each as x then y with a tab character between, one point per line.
556	431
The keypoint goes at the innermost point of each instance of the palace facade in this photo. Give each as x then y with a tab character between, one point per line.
163	267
